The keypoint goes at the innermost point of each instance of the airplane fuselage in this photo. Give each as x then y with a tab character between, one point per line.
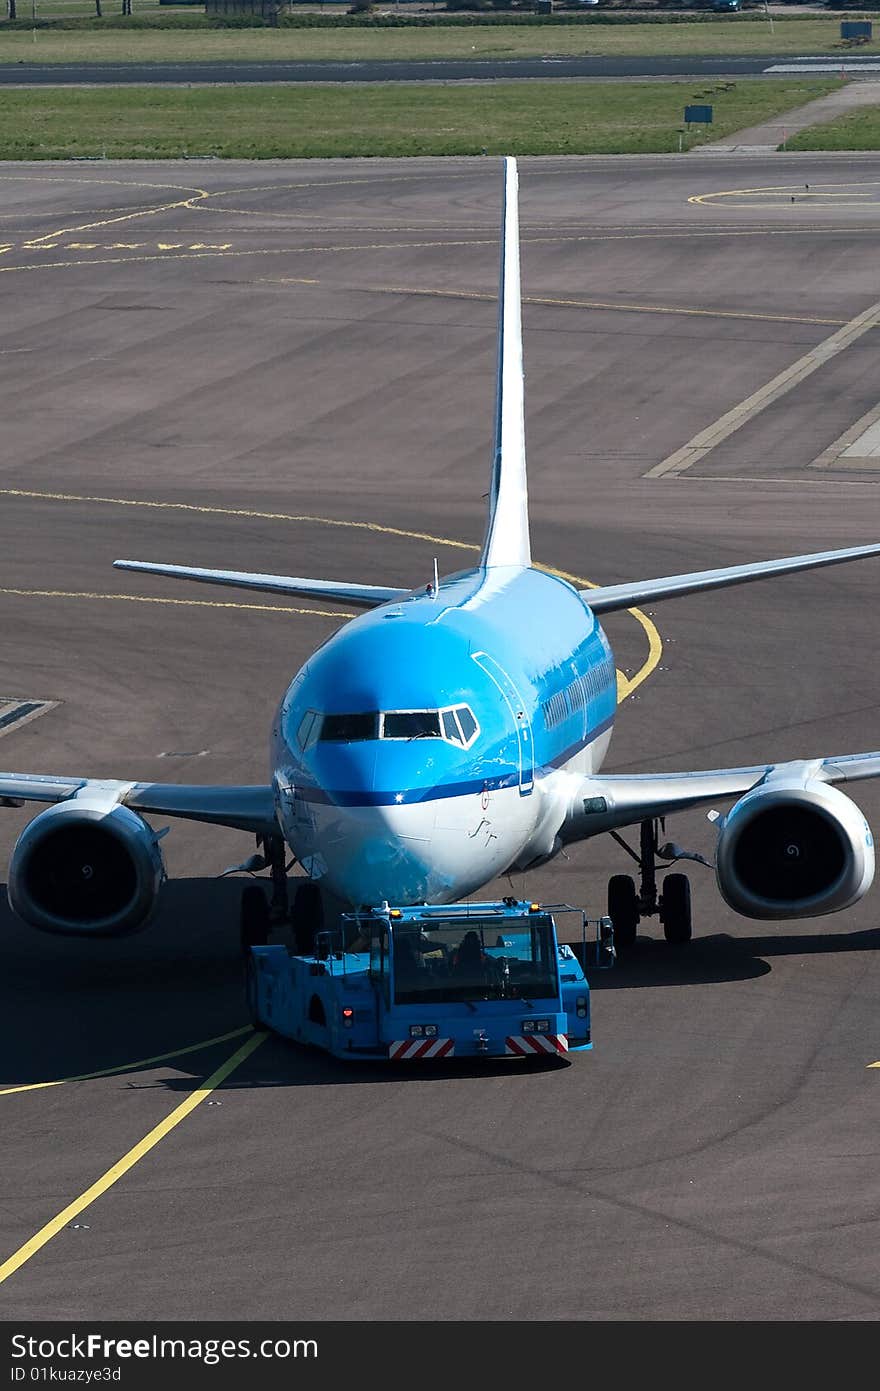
429	745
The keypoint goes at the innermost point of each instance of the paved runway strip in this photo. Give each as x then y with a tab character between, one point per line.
714	1157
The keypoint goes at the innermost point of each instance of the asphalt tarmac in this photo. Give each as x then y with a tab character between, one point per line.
288	367
22	74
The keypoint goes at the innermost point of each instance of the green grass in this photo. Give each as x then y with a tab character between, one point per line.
379	119
860	130
732	36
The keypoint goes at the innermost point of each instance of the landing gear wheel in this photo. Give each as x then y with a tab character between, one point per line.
307	918
675	909
254	920
623	910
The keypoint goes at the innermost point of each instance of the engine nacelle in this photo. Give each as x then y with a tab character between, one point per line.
86	870
794	848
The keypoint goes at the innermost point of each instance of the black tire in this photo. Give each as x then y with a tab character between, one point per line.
307	918
254	919
675	909
623	910
250	993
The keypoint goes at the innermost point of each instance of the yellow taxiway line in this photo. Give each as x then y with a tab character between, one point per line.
184	603
130	1067
625	685
128	1161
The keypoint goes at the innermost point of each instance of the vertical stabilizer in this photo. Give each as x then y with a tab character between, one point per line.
507	533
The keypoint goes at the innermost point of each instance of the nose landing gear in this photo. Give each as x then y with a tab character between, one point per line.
627	905
261	915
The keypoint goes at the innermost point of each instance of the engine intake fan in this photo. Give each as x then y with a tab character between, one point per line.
794	850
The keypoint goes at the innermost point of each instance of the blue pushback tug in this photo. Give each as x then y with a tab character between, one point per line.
464	980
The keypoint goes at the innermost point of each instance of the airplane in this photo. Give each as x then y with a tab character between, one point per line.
448	734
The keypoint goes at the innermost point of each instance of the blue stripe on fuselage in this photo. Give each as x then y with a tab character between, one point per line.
460	788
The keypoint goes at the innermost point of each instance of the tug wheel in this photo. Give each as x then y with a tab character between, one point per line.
251	993
307	918
254	918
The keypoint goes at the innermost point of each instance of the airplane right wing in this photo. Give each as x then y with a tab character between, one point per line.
608	598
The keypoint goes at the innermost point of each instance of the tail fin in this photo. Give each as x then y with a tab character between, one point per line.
507	532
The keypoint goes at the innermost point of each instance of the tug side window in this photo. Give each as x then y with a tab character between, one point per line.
379	959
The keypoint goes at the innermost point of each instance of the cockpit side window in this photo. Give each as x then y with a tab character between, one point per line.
450	727
467	722
308	729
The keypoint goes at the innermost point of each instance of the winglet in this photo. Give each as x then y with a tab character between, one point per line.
507	532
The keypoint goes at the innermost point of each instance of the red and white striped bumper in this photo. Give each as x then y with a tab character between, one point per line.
413	1049
527	1045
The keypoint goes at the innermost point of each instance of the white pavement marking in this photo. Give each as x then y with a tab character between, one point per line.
832	65
868	447
733	420
857	448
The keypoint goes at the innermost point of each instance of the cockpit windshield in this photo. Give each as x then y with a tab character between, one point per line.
454	725
346	729
411	724
479	959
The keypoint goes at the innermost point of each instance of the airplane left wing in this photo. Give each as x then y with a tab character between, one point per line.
603	802
364	596
242	808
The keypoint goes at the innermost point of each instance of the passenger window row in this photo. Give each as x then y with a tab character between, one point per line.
577	695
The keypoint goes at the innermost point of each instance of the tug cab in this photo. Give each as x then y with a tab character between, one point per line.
408	984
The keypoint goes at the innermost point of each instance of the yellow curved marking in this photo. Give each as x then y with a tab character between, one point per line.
369	180
800	190
89	182
130	1067
34	243
128	1161
184	603
198	195
240	512
193	195
625	685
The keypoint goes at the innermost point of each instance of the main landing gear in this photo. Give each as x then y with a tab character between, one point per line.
628	905
261	915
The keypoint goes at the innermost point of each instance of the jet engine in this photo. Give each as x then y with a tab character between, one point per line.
86	870
794	848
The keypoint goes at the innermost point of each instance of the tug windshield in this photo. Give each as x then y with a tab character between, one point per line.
474	959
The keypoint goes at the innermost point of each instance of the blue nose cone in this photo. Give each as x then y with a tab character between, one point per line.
347	773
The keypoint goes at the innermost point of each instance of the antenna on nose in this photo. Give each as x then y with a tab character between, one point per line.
432	589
